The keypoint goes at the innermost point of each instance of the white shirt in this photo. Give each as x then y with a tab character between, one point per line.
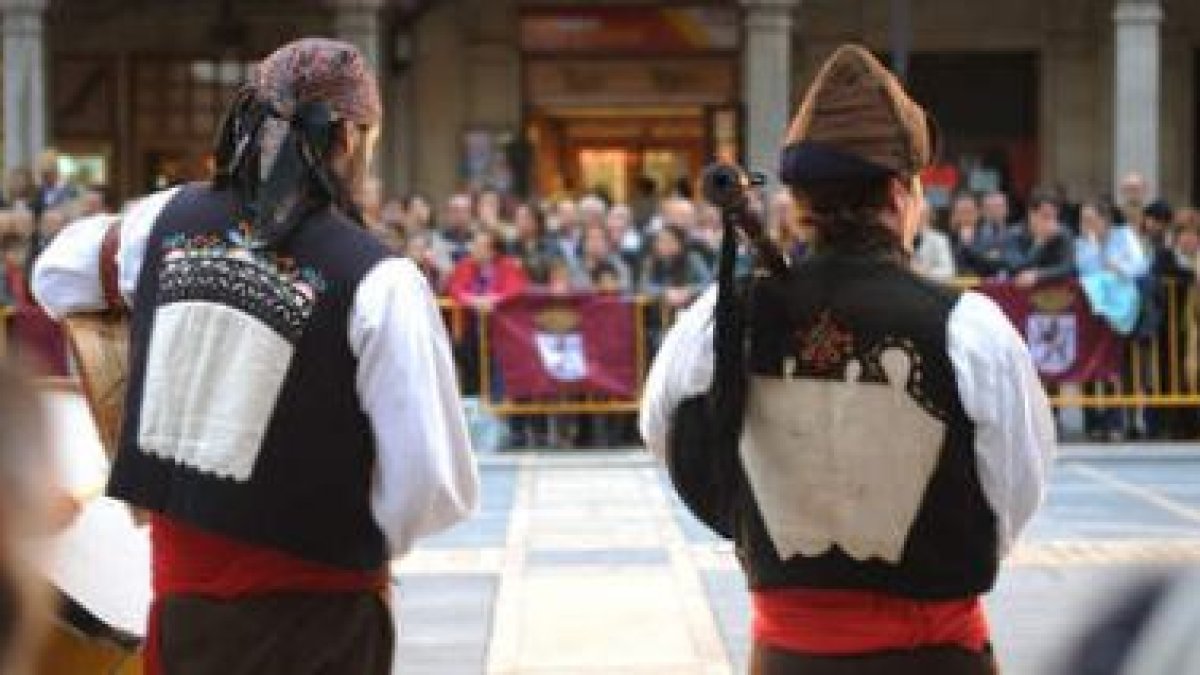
997	383
425	474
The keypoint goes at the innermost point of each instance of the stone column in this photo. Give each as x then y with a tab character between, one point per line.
24	82
768	80
1136	84
359	23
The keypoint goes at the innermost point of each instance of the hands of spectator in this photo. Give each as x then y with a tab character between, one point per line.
1026	279
483	303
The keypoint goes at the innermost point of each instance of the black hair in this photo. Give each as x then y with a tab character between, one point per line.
846	214
1039	199
301	178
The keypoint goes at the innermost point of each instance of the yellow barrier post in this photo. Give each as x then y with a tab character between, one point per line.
485	366
1173	328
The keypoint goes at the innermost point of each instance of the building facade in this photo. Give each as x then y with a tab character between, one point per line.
555	96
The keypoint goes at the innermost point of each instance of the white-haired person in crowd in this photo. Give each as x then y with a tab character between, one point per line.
933	256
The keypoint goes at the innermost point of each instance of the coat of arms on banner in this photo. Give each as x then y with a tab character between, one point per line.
1052	341
1052	331
560	344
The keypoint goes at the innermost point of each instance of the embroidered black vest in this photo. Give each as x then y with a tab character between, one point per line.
242	416
855	466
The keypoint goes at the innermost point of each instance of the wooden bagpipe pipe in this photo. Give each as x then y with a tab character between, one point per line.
702	456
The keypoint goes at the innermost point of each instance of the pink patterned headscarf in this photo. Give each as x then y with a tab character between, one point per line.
320	69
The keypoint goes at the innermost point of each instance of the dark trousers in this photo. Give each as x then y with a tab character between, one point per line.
766	660
1099	421
282	633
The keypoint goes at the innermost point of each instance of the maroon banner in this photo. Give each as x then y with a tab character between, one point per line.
35	340
1068	343
556	345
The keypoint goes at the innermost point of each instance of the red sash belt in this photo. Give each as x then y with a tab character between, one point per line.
187	560
841	622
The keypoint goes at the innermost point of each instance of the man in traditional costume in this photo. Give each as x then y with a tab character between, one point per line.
877	451
292	421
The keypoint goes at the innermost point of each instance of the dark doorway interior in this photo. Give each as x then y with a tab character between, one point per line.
986	105
1196	129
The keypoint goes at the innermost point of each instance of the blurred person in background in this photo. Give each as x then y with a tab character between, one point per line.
19	188
1110	261
52	222
560	278
671	273
481	280
644	204
978	243
1173	272
53	189
705	237
372	204
489	213
391	225
677	212
418	215
419	249
533	246
13	289
1134	196
97	200
596	251
455	231
933	257
16	254
607	279
47	224
995	214
485	277
592	210
563	225
1041	251
625	235
784	226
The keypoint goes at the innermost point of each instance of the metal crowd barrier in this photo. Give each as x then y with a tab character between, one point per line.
1161	370
1158	371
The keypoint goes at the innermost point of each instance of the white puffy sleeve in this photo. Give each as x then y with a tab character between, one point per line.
425	475
66	276
682	369
1003	395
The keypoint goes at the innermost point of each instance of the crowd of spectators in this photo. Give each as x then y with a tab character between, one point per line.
1135	260
478	249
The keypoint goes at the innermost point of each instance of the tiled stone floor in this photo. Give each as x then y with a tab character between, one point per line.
581	564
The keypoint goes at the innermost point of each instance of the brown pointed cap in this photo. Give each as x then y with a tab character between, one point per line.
856	120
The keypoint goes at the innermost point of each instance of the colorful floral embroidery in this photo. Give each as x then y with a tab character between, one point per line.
234	270
239	243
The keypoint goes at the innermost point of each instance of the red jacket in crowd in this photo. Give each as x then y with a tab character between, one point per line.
497	281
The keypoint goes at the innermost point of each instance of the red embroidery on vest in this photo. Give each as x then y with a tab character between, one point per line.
826	345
